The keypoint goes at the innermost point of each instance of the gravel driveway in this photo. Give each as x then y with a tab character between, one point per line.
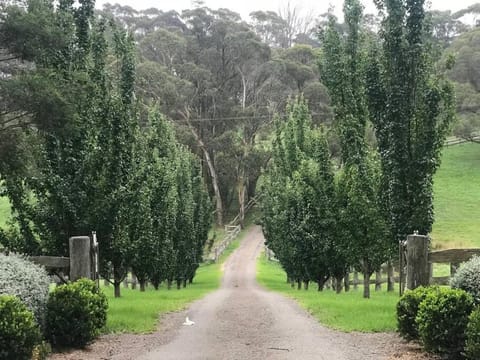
241	320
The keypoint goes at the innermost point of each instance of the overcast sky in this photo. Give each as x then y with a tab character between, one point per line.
244	7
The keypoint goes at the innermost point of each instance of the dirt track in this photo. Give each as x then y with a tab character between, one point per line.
243	321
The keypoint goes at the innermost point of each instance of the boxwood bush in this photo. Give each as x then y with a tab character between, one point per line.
442	319
19	332
27	281
467	278
75	313
407	309
472	345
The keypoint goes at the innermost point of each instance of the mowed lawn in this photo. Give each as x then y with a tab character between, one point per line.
457	198
345	311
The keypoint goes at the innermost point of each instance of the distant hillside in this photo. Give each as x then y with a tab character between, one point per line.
457	198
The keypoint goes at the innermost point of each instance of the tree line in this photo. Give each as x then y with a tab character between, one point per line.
320	224
84	161
102	109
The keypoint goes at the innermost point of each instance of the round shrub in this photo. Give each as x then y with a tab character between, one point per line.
467	278
472	344
27	281
19	332
407	309
75	313
442	319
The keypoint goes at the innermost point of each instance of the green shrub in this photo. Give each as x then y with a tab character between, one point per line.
19	332
467	278
442	319
407	309
75	313
472	344
27	281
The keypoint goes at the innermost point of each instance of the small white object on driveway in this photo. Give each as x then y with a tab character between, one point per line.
188	322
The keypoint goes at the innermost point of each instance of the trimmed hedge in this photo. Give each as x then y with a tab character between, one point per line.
27	281
467	278
75	313
472	344
407	309
19	332
442	319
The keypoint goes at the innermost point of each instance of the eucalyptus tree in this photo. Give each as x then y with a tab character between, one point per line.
412	107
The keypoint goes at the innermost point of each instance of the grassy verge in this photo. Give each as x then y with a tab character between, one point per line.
137	312
457	195
4	211
345	311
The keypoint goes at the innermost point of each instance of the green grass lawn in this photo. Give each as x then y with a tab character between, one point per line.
4	211
457	198
138	312
345	311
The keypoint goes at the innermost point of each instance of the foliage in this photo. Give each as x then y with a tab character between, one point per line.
27	281
19	332
362	229
442	319
467	278
472	343
412	107
75	313
466	77
299	205
407	309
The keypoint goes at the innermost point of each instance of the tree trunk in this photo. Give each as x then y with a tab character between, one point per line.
378	280
305	285
241	200
346	282
190	281
320	284
338	284
292	283
299	285
184	283
355	280
116	286
169	284
366	284
179	284
134	282
213	175
142	285
391	277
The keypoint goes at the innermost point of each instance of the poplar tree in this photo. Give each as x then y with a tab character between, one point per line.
361	231
412	106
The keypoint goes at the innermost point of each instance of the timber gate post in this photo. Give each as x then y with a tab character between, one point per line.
418	268
80	264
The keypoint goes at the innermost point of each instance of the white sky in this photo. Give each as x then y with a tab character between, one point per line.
244	7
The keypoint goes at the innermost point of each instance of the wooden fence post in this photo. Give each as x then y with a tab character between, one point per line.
418	270
390	277
80	258
355	280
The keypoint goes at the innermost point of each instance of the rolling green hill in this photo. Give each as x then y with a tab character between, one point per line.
457	198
